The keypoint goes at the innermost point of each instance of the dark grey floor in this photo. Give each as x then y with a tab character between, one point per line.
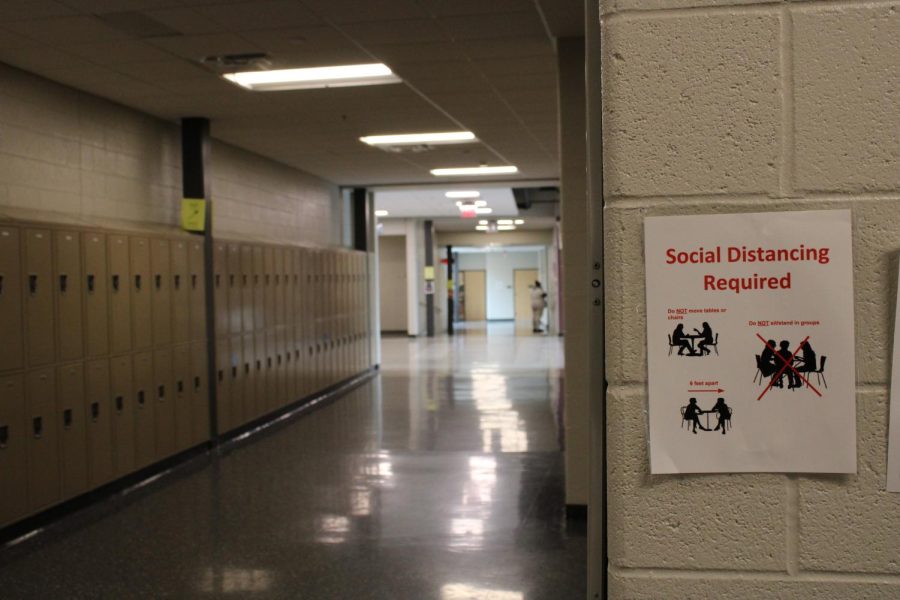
444	485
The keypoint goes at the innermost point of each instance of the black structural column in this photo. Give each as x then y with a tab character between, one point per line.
451	290
429	285
360	208
195	184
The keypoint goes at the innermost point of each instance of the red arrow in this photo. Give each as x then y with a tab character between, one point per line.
718	391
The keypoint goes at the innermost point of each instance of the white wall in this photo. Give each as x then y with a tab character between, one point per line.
747	108
499	277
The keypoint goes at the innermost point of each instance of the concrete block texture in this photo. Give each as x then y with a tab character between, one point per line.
685	522
847	96
692	103
627	585
851	524
614	6
876	242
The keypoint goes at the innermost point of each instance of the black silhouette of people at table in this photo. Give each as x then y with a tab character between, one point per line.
782	363
691	414
685	342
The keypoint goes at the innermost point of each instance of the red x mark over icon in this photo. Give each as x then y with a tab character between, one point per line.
787	364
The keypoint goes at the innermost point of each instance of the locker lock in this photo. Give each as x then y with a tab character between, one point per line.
90	283
67	418
4	436
63	283
95	411
37	426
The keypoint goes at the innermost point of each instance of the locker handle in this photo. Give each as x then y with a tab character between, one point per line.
95	411
268	362
244	280
120	403
193	281
137	282
158	281
218	279
258	365
256	280
297	353
115	283
234	372
161	392
141	398
1	284
32	284
4	436
246	368
267	279
278	359
180	386
277	279
177	282
221	375
196	384
231	280
90	283
63	283
67	418
37	425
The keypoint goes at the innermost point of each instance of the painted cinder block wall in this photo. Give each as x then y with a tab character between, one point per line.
67	155
713	106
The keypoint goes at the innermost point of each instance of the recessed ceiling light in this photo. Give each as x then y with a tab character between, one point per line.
505	227
519	222
480	203
483	210
463	194
481	227
315	77
381	213
504	222
447	137
483	170
482	222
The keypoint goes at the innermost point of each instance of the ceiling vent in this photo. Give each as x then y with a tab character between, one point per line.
405	148
228	63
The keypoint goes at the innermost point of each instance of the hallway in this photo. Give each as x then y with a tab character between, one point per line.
438	479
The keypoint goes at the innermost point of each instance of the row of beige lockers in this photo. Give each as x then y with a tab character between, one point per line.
69	429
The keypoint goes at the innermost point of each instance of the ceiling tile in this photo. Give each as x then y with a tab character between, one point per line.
195	47
516	24
354	11
67	30
391	32
261	14
172	69
186	20
113	6
110	53
15	10
517	46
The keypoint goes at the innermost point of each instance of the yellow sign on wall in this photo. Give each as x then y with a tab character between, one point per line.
193	214
429	272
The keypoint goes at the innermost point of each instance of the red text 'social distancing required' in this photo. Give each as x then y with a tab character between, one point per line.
788	364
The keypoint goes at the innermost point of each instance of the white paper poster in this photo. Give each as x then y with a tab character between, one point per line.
750	343
893	466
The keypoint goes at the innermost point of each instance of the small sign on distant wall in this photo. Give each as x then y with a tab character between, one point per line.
193	214
429	288
750	343
429	272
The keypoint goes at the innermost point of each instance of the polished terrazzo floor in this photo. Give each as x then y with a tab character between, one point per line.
439	479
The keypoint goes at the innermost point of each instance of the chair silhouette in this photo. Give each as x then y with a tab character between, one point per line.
728	420
671	345
683	420
759	374
715	344
820	374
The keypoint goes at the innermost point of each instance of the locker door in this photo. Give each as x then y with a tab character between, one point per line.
161	293
164	410
220	288
236	381
248	377
280	369
315	333
290	316
10	303
181	307
196	291
144	422
278	285
43	440
123	414
98	414
223	387
199	394
38	286
96	295
301	326
72	430
260	376
119	261
247	289
272	398
141	303
235	292
259	302
269	286
13	450
67	288
182	396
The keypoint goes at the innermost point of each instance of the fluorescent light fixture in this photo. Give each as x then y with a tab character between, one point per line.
519	222
505	227
483	210
401	139
466	206
463	194
381	213
504	222
316	77
483	170
482	222
481	227
481	203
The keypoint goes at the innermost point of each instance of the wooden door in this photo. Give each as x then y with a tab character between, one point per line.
475	297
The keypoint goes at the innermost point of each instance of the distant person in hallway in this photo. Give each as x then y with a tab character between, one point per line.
680	338
691	413
538	304
706	337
